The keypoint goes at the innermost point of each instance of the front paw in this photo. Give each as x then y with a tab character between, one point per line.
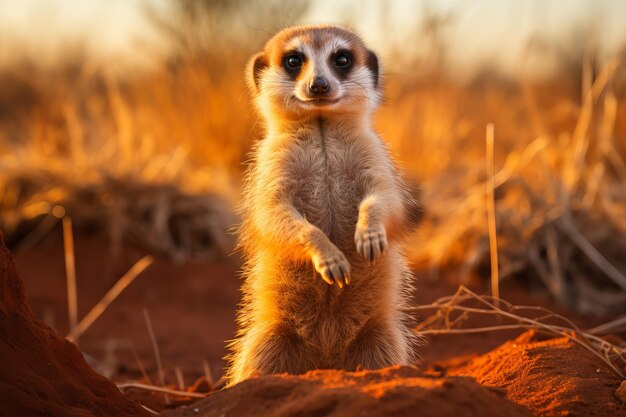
371	242
333	267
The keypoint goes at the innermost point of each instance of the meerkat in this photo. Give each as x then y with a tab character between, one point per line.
324	214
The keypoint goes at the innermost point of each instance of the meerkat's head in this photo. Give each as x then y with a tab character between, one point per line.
314	70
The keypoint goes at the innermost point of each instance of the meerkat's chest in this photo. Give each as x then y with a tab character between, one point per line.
329	184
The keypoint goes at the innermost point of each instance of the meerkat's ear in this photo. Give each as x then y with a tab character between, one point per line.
372	65
255	66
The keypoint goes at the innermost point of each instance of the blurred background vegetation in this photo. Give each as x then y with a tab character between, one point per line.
140	130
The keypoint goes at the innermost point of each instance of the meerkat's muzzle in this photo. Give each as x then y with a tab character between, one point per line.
319	86
319	92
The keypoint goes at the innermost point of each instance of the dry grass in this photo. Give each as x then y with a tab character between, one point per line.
560	198
452	312
156	158
78	328
99	160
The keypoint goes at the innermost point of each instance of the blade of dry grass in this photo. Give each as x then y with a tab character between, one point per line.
42	230
207	373
150	410
163	390
109	297
139	362
616	325
179	378
592	253
157	353
491	214
70	273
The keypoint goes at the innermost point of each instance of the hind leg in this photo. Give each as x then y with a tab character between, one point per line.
275	349
378	345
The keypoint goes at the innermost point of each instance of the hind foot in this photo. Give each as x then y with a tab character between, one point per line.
278	350
377	346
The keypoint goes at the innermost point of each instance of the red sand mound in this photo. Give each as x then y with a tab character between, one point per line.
549	378
552	377
41	373
398	391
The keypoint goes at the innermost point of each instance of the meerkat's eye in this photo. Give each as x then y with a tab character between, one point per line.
293	61
343	59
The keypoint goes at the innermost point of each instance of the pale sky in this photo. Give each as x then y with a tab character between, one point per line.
481	30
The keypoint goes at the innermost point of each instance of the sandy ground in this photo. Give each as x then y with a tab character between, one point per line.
192	308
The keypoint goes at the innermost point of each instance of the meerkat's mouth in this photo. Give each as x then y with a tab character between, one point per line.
319	101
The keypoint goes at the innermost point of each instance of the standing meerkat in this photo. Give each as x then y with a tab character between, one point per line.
324	214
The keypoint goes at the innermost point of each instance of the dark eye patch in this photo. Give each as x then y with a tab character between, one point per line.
293	62
342	62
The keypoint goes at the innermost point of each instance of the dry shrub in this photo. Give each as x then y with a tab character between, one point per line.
452	313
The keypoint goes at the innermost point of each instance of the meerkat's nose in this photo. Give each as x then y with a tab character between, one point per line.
319	85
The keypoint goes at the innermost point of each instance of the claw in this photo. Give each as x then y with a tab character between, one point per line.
331	274
338	275
371	243
346	275
336	272
333	268
367	246
327	279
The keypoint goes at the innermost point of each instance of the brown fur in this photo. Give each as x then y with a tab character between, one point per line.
323	204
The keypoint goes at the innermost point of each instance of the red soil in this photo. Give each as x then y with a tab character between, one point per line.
546	378
192	306
41	373
552	377
397	391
